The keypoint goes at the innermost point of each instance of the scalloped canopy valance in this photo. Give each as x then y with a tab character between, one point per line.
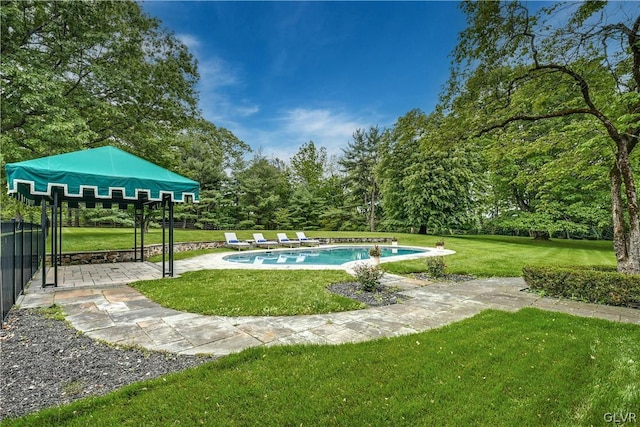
105	174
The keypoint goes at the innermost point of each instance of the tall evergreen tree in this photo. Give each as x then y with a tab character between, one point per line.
207	151
358	164
263	188
427	182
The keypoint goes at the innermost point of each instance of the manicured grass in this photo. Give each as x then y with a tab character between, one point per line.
529	368
504	256
250	292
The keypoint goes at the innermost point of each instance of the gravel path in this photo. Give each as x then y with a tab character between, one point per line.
44	362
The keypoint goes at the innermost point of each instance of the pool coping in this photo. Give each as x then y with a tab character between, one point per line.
216	260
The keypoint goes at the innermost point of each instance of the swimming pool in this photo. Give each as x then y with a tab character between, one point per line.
337	255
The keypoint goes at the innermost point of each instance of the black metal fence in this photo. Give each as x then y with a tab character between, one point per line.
21	252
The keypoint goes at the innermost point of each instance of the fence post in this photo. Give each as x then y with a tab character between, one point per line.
31	248
21	256
13	263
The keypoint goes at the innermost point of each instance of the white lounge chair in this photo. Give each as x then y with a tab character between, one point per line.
305	241
285	241
259	240
233	242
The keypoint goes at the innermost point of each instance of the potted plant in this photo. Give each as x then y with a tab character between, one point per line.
394	241
440	244
375	253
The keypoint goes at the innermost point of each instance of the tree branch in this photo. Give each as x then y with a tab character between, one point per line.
533	118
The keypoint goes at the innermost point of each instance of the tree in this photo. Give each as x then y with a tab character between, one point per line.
307	166
304	209
426	181
308	183
358	163
81	74
207	151
263	188
583	60
541	186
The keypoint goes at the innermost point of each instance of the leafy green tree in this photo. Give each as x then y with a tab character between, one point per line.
315	188
263	189
307	166
427	183
542	186
583	61
340	219
305	209
207	151
358	164
332	195
81	74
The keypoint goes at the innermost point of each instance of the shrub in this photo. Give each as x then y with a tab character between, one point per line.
369	276
375	251
436	267
600	285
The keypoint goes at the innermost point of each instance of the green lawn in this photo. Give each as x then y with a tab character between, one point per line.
530	368
250	292
504	256
497	368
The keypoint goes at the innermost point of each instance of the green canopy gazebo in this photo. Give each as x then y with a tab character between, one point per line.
105	175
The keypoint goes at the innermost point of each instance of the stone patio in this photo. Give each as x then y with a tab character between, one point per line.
96	301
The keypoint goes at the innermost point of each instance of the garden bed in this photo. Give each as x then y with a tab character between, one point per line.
385	295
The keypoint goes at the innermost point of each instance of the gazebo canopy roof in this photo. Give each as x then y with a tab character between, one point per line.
105	174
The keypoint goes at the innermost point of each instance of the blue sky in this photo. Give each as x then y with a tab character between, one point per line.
279	74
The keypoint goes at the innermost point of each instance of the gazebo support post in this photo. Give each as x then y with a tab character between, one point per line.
164	214
171	238
43	241
138	217
167	251
54	238
59	236
142	233
135	233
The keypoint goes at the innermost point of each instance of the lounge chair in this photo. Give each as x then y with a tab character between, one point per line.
285	241
259	240
233	242
305	241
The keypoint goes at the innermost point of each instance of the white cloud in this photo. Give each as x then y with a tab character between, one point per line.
192	42
215	73
326	128
217	77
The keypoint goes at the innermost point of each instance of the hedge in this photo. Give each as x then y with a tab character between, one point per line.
601	285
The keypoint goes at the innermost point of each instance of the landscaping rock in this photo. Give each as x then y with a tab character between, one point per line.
386	295
47	363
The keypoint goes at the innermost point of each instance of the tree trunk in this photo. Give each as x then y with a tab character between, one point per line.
539	235
626	236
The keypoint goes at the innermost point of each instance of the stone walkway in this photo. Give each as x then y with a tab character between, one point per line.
103	307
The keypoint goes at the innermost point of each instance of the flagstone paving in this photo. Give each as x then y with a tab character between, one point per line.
109	310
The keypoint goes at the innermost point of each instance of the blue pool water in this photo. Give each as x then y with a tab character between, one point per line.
318	256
